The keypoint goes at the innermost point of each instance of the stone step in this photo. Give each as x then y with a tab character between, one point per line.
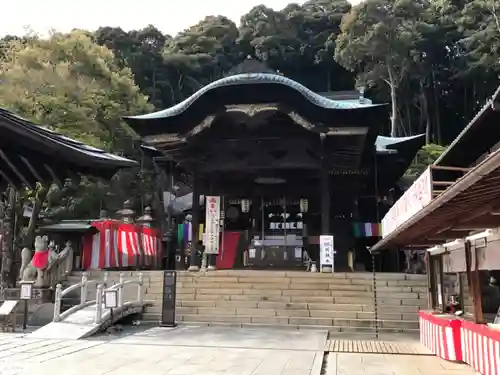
260	312
359	278
296	286
155	319
273	305
295	292
421	303
279	320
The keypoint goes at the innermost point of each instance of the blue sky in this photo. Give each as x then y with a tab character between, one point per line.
169	16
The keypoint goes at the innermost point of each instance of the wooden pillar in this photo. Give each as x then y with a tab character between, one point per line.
195	222
324	191
325	200
431	282
474	283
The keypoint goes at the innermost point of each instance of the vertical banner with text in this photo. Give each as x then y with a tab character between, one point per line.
326	252
212	225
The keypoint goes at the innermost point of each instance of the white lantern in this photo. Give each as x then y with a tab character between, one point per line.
304	205
245	205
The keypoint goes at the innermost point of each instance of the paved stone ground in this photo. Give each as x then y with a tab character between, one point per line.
203	351
389	364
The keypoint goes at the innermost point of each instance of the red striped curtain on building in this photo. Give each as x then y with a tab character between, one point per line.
119	245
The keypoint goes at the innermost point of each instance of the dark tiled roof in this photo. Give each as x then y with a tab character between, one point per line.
30	153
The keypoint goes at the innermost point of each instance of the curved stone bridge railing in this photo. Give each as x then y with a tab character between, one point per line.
100	315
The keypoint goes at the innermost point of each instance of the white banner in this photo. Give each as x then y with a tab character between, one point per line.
212	225
412	201
326	251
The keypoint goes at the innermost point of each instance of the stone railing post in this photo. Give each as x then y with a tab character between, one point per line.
57	303
120	289
146	219
83	289
103	215
105	279
98	305
127	213
69	261
139	287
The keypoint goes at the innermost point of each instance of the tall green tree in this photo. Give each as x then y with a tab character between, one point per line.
379	41
74	86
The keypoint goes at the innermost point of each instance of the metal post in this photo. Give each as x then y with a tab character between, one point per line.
83	289
120	289
139	287
98	307
375	299
57	303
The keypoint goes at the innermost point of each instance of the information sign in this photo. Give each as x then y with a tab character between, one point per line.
169	298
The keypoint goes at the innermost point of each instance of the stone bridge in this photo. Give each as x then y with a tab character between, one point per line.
91	316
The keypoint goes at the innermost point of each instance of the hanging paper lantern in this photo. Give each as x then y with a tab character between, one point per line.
304	205
245	205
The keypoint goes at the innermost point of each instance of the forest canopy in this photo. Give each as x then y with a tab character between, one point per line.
436	62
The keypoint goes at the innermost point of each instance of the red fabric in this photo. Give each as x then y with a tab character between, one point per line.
228	249
441	335
40	259
118	245
481	348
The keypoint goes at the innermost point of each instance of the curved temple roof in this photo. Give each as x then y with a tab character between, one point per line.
30	153
253	79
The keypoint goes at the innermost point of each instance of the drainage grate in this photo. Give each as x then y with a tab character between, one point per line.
376	347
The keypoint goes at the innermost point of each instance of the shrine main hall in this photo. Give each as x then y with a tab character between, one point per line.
289	165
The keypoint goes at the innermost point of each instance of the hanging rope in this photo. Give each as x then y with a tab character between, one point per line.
374	273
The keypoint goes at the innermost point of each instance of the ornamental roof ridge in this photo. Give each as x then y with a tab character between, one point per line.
255	78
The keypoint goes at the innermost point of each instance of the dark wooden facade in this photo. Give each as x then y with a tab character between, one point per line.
246	129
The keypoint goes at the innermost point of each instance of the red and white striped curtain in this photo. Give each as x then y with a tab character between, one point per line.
119	245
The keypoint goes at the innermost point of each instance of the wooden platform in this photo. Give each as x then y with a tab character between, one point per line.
376	347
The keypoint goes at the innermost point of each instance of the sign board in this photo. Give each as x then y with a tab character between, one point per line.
169	296
26	291
326	251
111	299
412	201
212	225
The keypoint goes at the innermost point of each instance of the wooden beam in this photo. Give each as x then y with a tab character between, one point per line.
53	175
14	169
32	169
454	169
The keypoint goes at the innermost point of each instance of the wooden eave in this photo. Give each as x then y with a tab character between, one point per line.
30	154
459	207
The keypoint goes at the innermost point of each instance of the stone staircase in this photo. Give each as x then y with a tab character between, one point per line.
341	302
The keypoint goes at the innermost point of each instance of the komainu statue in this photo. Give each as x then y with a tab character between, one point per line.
34	268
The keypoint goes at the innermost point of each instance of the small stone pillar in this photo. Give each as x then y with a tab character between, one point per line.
146	219
127	213
103	215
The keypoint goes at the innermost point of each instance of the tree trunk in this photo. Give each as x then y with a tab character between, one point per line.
436	110
7	238
424	104
394	103
40	197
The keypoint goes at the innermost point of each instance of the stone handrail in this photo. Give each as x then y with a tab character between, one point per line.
120	302
83	286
